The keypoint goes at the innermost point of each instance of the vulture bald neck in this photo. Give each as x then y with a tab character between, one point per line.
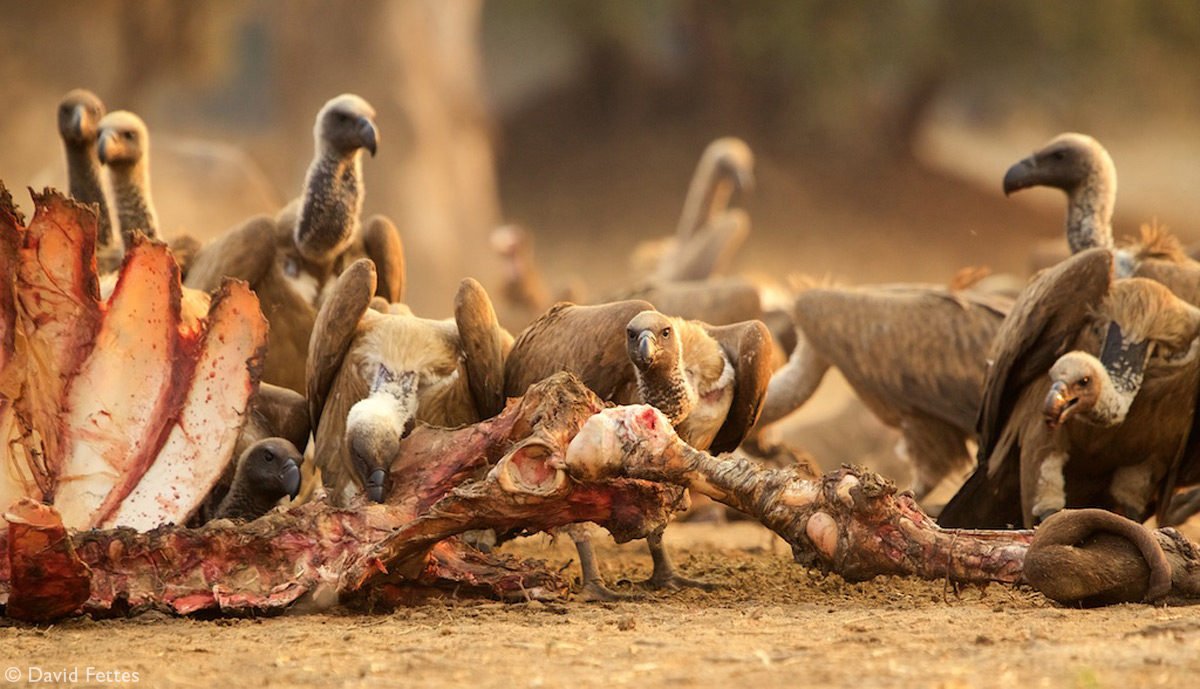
266	472
125	148
79	115
727	166
333	188
1079	166
656	352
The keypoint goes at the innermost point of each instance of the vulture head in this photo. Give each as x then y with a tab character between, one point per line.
124	139
346	124
734	161
270	469
375	425
1068	162
652	342
79	115
1151	331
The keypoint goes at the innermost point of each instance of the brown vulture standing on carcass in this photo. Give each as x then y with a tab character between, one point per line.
916	355
1082	168
1089	401
709	381
288	259
372	375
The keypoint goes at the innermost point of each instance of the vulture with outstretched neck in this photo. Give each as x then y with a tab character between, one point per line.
288	259
916	355
709	381
79	115
372	376
1089	402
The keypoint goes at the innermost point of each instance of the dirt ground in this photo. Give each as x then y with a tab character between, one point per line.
775	624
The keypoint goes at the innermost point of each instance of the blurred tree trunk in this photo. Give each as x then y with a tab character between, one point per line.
418	63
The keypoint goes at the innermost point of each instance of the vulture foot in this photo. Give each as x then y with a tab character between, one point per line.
596	591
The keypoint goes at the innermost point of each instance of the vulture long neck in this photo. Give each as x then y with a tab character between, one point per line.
331	205
666	389
1090	211
708	194
135	208
83	178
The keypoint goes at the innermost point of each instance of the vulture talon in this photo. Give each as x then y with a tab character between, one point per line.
597	592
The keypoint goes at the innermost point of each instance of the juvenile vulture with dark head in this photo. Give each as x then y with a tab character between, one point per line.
709	381
288	259
1089	402
266	472
372	376
79	115
916	355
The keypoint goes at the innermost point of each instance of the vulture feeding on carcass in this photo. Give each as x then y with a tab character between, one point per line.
266	472
709	381
372	375
123	412
1089	401
916	355
288	259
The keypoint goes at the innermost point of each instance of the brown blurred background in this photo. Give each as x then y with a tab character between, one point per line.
882	129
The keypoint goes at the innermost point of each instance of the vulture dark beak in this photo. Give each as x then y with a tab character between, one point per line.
102	151
647	348
367	134
375	485
1059	404
1020	176
291	478
76	124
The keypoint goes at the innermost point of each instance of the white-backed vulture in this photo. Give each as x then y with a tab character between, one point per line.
266	472
288	259
916	355
372	375
709	381
79	114
125	149
1090	399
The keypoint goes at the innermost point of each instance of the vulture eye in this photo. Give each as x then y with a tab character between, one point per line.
269	456
666	332
127	135
1058	155
64	108
632	334
1085	381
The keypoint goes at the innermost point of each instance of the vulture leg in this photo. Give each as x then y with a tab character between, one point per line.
934	449
665	575
792	385
593	588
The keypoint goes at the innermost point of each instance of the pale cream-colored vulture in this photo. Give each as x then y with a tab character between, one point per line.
79	115
708	380
125	149
1089	402
916	355
288	259
372	375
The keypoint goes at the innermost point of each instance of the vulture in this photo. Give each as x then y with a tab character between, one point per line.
709	381
266	472
125	149
79	115
1089	401
372	376
288	259
916	355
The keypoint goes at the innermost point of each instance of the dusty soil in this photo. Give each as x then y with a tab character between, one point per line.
776	624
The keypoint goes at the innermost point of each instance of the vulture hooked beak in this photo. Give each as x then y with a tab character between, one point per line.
374	486
367	134
75	126
290	474
647	349
103	150
1060	404
1021	176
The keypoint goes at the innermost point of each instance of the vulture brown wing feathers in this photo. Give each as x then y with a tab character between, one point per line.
334	331
483	347
246	252
1042	327
911	348
748	346
588	341
382	244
